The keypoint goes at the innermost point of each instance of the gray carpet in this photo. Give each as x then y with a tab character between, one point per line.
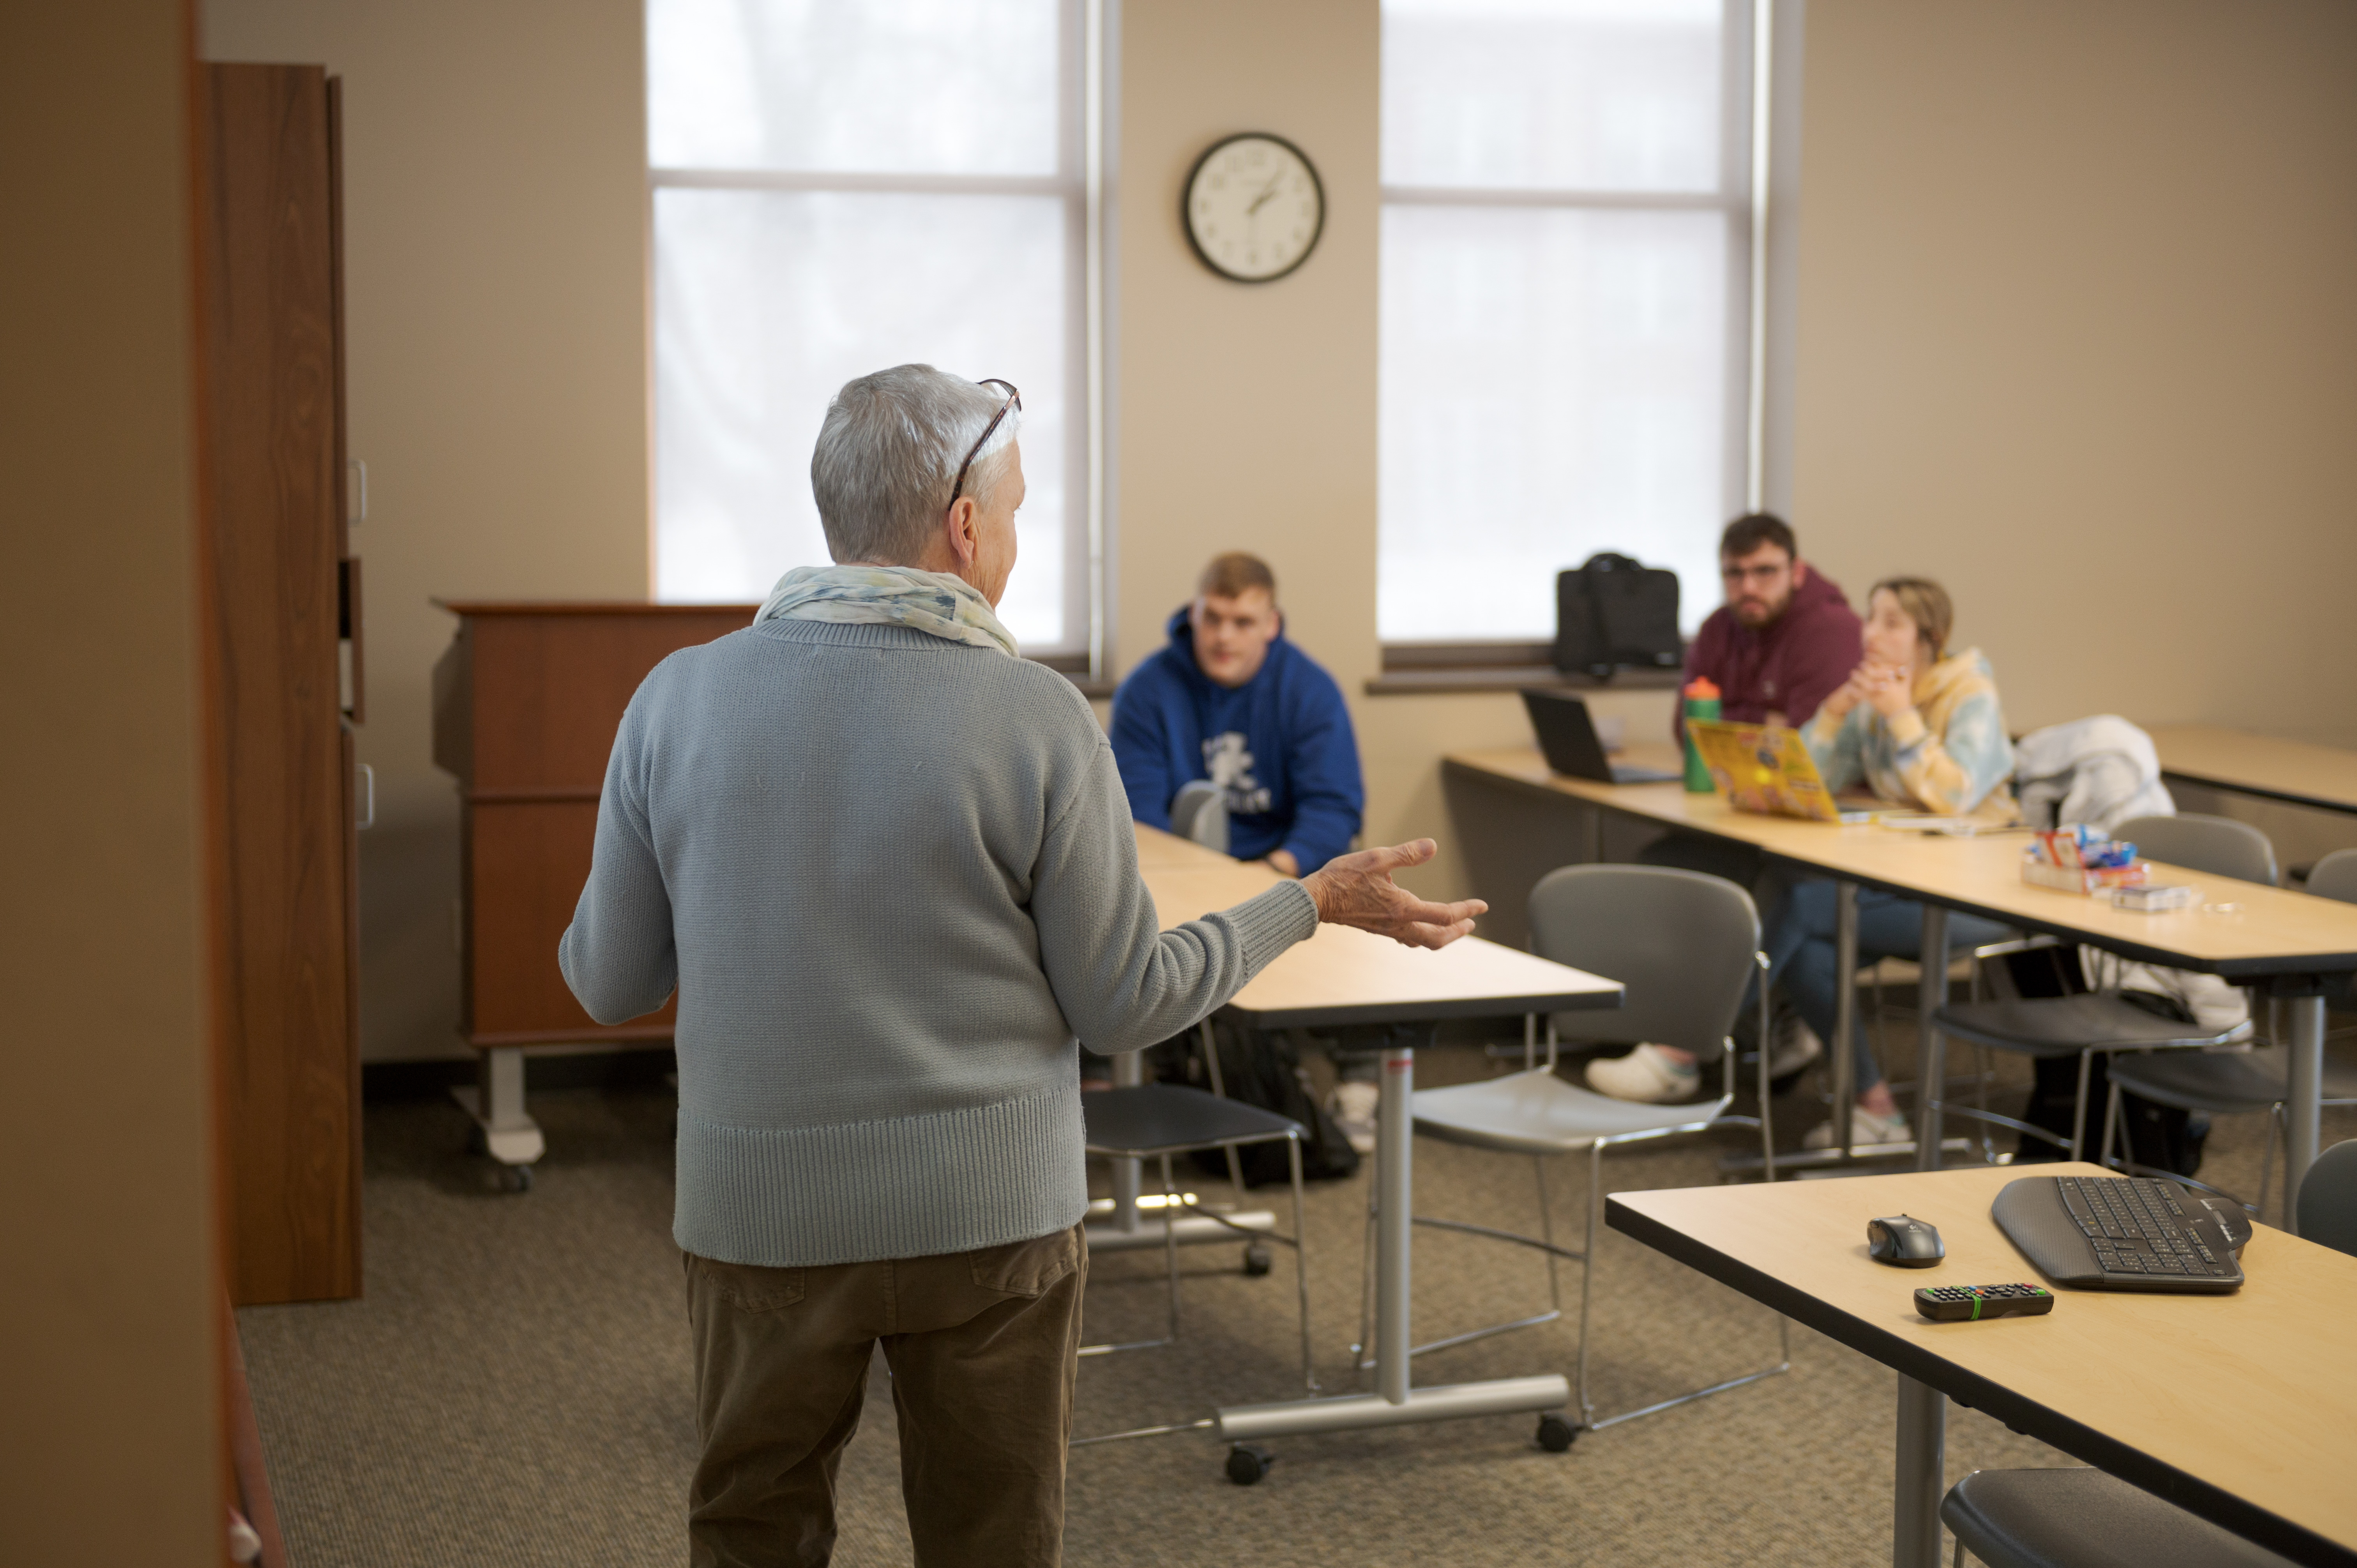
514	1389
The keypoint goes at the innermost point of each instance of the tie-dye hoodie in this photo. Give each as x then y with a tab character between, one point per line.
1949	755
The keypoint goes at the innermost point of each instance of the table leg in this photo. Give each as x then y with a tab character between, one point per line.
1921	1478
1393	1402
1932	1065
2302	1128
1128	1072
1845	1056
496	1102
1395	1222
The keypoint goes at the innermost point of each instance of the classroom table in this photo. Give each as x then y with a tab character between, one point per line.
2287	944
2240	1407
2321	777
1342	976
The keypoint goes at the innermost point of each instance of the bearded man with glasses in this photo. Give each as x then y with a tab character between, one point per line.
1783	641
888	867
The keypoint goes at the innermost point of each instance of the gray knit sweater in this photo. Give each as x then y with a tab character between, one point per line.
892	877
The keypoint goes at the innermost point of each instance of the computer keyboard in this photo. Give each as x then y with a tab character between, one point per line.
2123	1233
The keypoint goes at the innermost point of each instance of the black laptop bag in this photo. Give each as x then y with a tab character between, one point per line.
1613	611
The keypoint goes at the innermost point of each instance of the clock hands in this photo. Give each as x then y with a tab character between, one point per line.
1268	193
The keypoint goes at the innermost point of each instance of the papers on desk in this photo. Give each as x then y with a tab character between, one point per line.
1950	827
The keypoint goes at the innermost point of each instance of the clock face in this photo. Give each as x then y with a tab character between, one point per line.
1253	208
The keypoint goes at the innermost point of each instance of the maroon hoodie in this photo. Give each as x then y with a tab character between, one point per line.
1788	666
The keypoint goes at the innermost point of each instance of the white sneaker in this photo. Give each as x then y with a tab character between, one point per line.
1796	1046
1352	1106
1648	1074
1864	1128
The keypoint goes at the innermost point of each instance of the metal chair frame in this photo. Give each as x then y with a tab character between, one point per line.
1170	1206
2113	1106
1714	1118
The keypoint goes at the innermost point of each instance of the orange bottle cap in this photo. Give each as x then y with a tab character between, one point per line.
1701	686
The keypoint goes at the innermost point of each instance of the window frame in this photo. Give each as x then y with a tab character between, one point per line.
1079	185
1474	664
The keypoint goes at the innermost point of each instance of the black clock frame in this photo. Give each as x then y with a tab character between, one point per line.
1187	191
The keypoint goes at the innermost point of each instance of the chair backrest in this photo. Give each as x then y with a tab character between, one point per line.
2335	877
1680	941
1200	812
2219	846
2328	1199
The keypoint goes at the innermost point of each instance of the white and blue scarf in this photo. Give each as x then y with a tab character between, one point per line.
934	602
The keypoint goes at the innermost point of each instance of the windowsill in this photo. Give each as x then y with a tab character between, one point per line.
1422	668
1513	678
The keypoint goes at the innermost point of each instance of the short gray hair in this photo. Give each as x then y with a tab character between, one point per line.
889	452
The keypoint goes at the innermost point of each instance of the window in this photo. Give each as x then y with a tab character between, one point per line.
1565	275
840	186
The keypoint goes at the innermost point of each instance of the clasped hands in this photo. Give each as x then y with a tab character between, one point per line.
1888	688
1358	890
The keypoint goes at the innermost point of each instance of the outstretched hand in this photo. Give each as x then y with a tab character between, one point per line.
1358	890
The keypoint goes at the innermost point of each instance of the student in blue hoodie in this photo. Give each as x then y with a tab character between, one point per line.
1231	701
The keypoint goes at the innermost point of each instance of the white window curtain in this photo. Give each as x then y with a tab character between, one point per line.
1564	273
840	186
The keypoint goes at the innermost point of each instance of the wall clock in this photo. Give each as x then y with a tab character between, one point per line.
1253	207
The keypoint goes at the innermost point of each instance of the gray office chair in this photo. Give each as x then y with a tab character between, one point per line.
2083	1518
1683	946
1200	812
2239	1082
2328	1199
2103	1020
2335	877
1156	1121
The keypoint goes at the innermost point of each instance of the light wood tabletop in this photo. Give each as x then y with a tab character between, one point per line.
2240	929
2306	775
1341	975
2240	1407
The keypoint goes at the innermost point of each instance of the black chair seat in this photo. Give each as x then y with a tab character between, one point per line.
2065	1025
2227	1083
2084	1519
1164	1118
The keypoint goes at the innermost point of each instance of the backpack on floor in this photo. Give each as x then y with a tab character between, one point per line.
1614	610
1263	1069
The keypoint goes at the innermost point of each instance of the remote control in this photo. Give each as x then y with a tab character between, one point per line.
1969	1303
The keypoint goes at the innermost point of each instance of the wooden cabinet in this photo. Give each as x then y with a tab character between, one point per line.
526	701
280	626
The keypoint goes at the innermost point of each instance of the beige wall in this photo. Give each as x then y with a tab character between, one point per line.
495	216
109	1294
2078	334
2072	293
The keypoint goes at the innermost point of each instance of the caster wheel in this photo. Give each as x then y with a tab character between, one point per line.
1257	1261
1247	1463
1556	1434
514	1178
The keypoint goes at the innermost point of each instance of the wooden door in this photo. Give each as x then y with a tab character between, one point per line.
280	752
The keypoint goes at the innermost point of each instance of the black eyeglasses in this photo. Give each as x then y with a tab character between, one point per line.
1015	402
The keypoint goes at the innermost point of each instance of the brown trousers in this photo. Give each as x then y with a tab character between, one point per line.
983	1348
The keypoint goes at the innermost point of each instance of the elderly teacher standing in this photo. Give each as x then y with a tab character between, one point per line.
888	866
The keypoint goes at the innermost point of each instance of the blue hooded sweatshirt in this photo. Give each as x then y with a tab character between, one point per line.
1280	744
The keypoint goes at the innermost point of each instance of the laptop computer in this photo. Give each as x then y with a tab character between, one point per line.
1567	737
1767	769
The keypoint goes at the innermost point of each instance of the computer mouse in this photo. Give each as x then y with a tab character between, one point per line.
2231	1218
1904	1241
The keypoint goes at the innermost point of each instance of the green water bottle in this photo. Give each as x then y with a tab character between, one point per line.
1701	699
